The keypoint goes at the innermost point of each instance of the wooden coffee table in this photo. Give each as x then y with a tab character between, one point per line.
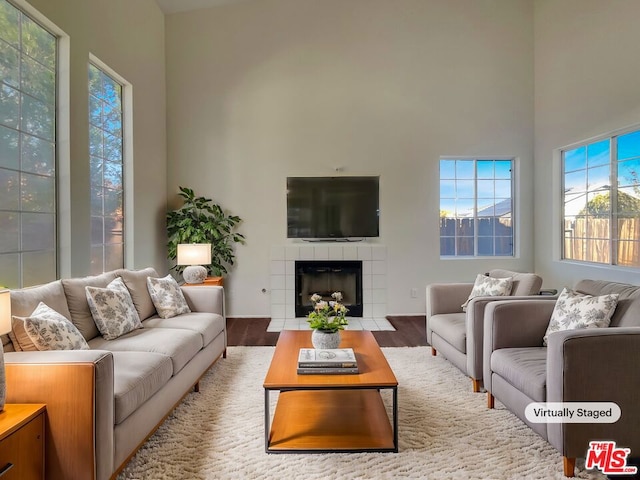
330	413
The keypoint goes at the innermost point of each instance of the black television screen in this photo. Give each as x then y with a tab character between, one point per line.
332	207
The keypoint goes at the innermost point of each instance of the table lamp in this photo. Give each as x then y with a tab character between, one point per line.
194	255
5	327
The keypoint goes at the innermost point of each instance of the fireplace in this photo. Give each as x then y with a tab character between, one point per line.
325	277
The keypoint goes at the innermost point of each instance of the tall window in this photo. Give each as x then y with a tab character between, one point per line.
28	63
106	170
601	201
476	207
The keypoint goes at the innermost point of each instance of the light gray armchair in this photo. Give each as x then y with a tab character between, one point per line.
458	334
586	365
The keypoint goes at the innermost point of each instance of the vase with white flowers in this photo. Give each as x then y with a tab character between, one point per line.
327	319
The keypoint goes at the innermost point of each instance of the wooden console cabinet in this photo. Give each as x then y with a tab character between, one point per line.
22	442
216	281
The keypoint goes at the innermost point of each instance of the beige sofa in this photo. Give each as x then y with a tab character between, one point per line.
457	334
103	403
585	365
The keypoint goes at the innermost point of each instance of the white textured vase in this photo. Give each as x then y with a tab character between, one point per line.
322	339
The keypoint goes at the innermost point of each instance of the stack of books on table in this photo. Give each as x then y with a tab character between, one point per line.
336	361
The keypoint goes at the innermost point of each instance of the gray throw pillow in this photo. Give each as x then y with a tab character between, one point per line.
489	287
574	310
112	309
167	296
49	330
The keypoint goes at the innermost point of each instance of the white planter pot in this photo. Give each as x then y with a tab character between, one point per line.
325	340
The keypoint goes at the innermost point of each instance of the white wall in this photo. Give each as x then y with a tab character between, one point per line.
128	36
586	84
264	89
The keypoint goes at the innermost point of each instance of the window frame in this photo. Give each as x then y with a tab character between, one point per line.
513	180
613	230
58	136
126	97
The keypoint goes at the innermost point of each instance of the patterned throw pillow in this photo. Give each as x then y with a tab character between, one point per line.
575	310
489	287
167	296
112	309
49	330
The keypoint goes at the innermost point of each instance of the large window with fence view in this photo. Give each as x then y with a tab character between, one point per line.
28	65
601	200
106	171
476	207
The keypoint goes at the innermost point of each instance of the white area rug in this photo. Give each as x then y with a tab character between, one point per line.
445	431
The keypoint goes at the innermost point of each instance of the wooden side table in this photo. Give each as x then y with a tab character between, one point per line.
22	442
219	281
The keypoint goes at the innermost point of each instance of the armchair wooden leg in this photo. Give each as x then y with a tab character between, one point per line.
196	387
433	351
476	385
569	465
224	353
490	400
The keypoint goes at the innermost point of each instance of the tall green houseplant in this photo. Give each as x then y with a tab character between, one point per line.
199	220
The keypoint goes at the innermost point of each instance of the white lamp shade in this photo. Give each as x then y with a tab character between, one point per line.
194	254
5	312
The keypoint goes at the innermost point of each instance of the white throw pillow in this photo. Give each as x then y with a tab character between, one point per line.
167	296
574	310
485	286
50	330
112	309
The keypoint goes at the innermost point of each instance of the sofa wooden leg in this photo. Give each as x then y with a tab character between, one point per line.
433	351
491	401
196	387
224	353
476	385
569	465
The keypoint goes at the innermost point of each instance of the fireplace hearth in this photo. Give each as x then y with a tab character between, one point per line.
325	277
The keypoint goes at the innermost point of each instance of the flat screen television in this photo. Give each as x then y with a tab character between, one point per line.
332	207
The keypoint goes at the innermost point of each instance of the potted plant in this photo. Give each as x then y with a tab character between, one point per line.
199	220
327	319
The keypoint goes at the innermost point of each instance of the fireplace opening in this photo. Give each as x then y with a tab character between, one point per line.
325	277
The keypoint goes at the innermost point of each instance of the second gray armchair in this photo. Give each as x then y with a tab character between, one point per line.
581	365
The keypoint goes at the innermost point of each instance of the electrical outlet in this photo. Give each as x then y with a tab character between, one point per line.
414	293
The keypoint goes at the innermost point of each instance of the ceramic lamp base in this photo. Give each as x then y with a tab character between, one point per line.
194	274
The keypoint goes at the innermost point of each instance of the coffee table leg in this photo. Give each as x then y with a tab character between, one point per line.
267	420
395	419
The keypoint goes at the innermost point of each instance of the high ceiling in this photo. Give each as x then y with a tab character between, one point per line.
173	6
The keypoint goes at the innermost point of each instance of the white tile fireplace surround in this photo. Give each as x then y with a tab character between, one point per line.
374	283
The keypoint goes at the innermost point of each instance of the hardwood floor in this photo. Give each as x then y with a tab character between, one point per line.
410	332
250	332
